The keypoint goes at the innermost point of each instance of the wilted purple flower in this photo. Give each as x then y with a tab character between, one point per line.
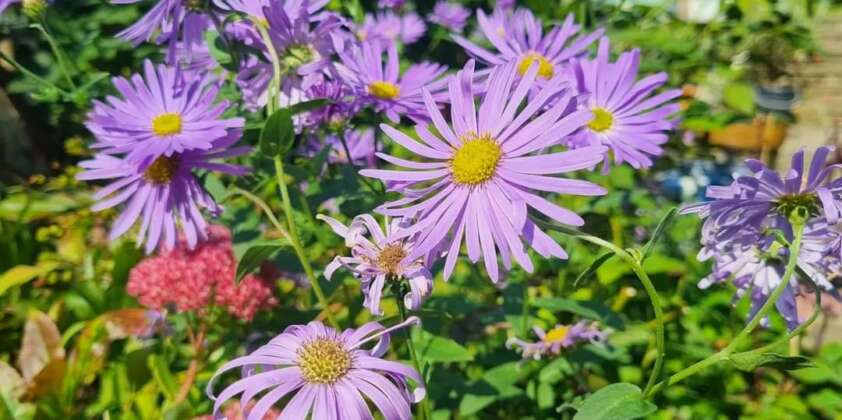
381	84
523	42
554	341
325	374
304	46
485	165
161	113
755	264
452	16
379	261
162	191
389	27
767	200
172	20
627	117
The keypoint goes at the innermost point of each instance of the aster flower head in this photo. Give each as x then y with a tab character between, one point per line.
341	107
484	166
192	279
628	118
360	144
172	20
162	112
520	38
161	192
379	261
452	16
391	4
553	342
755	263
381	85
326	374
767	199
389	27
304	44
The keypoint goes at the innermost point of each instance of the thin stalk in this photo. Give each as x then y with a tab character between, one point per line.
791	265
423	406
275	85
635	262
28	73
60	58
263	206
296	243
354	165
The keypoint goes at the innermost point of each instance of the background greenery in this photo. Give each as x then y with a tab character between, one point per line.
62	289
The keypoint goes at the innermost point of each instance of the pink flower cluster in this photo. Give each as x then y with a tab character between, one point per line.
191	280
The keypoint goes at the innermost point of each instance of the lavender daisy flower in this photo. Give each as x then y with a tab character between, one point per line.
342	106
304	46
172	20
161	113
755	264
766	199
524	42
391	4
389	27
554	341
360	146
452	16
485	166
381	84
379	261
161	191
627	117
326	374
244	31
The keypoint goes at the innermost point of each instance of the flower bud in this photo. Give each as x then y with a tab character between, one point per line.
34	9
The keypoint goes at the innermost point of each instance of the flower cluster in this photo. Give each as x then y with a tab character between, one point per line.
190	280
751	224
552	342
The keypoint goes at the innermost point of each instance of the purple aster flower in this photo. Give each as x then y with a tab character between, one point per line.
554	341
627	117
523	42
172	20
244	30
162	112
389	27
325	374
452	16
161	191
755	264
341	108
379	261
360	145
766	199
391	4
485	165
505	4
381	84
304	47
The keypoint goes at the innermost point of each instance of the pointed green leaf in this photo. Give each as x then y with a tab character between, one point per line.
750	360
659	231
618	401
591	270
255	255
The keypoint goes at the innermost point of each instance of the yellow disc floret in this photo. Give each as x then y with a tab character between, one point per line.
162	170
476	161
545	68
556	334
602	120
384	90
167	124
323	361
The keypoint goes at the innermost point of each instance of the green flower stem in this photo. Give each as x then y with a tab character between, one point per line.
794	250
798	330
60	57
263	206
354	165
423	406
275	84
635	261
296	243
28	73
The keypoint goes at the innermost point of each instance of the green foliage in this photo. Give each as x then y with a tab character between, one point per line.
618	401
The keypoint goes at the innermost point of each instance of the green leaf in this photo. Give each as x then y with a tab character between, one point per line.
618	401
255	255
278	133
442	349
659	231
591	270
308	106
662	264
750	360
739	97
612	270
163	377
21	274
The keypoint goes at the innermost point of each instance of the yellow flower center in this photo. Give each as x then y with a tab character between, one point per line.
384	90
323	361
602	120
545	68
390	258
167	124
476	161
162	170
556	334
